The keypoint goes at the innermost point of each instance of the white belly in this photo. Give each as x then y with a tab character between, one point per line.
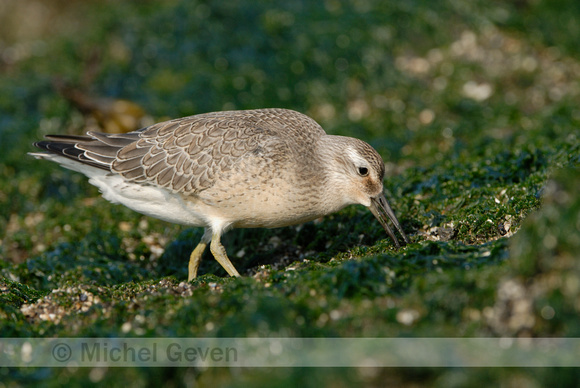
149	200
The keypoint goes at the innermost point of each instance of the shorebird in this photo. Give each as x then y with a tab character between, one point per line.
234	169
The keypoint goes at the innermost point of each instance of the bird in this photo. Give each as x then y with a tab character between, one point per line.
261	168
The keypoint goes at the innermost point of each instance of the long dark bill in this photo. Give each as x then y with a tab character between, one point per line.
381	210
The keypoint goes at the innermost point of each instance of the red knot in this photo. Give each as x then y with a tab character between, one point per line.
237	169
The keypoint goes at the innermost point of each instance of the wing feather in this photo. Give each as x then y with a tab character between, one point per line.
188	155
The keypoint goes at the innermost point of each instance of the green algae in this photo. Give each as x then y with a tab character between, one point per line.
486	188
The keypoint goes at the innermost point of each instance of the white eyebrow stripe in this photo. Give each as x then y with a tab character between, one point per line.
356	157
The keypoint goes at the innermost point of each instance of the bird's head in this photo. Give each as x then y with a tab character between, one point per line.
360	171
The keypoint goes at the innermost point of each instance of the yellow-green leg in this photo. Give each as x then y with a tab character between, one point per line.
195	258
219	252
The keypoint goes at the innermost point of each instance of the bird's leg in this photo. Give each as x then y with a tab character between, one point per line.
219	252
195	258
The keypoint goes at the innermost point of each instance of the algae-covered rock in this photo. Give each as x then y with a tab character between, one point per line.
541	297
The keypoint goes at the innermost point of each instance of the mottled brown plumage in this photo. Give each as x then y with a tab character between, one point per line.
257	168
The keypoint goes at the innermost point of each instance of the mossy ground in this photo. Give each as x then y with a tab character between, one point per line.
473	105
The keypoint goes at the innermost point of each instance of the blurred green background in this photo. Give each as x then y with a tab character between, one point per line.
474	106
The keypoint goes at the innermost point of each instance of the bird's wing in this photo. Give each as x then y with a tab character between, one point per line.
187	155
96	150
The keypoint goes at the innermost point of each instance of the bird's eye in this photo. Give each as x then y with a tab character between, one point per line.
363	171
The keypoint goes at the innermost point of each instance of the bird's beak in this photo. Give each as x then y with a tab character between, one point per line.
381	210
